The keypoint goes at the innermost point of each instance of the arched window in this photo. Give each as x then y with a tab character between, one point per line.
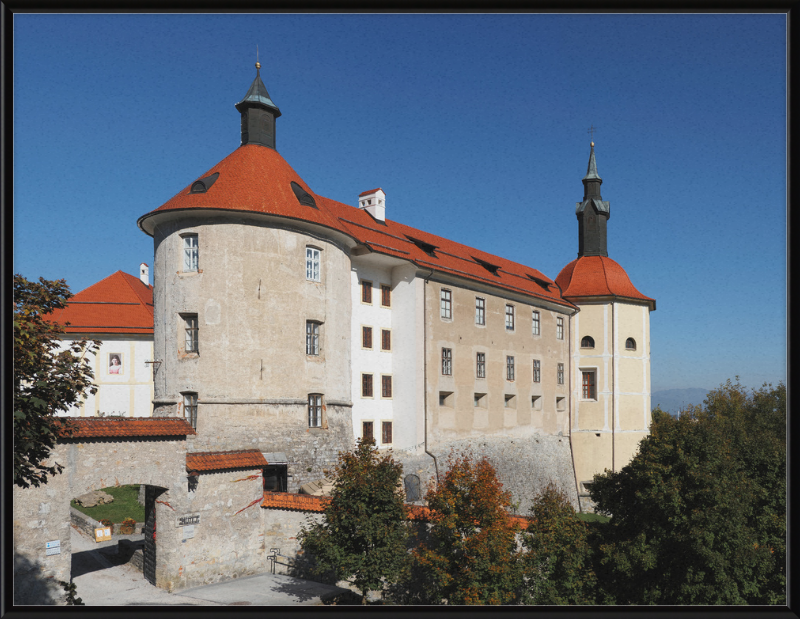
587	342
630	344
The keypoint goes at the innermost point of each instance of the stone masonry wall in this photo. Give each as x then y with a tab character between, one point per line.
281	527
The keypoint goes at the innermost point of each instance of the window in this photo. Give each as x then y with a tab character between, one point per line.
510	401
589	386
535	323
446	398
509	317
314	410
587	342
366	292
386	386
312	264
312	337
560	374
386	295
537	371
190	408
386	339
366	432
386	433
480	365
480	311
446	304
191	341
366	337
560	328
366	386
509	368
536	402
480	400
630	344
190	253
447	362
561	404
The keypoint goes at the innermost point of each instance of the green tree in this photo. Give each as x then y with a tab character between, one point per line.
470	556
699	515
47	380
363	531
558	561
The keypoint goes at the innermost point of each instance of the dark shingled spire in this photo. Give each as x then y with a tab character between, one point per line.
592	213
258	114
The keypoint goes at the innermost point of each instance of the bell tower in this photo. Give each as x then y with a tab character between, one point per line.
258	114
592	214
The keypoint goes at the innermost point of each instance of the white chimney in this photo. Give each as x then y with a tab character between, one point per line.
374	202
144	274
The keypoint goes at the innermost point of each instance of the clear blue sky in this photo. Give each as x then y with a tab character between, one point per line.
476	128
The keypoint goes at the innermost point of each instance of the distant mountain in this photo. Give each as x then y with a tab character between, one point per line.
673	400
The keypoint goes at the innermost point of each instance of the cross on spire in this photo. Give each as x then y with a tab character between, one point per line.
591	131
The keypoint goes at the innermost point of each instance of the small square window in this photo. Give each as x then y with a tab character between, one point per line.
366	292
313	264
446	398
386	432
480	365
312	338
386	296
510	400
386	339
314	410
191	251
447	362
366	337
366	386
480	311
536	402
537	371
561	403
509	317
386	386
630	344
535	323
480	400
446	302
366	431
509	368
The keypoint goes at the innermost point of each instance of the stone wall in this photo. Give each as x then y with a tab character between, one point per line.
281	527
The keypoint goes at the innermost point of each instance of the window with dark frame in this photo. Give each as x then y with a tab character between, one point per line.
312	337
537	371
366	431
191	341
560	328
535	323
447	362
386	339
366	386
366	337
190	408
315	410
509	368
480	311
587	342
386	295
386	433
366	292
446	304
589	386
509	317
630	344
560	374
191	251
480	365
386	386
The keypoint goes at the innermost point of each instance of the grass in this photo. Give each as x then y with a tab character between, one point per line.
586	517
125	505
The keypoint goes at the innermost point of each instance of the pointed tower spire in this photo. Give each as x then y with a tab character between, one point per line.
592	213
258	114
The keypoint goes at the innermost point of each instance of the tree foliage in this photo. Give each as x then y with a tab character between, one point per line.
362	535
699	515
47	380
558	561
470	556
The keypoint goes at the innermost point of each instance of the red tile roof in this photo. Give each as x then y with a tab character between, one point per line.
598	276
364	193
120	303
288	500
257	179
218	460
97	427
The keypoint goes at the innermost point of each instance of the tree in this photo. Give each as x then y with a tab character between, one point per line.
699	515
471	555
47	380
362	535
558	562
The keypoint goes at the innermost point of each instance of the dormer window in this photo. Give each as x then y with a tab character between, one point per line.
492	268
204	184
540	281
426	247
303	197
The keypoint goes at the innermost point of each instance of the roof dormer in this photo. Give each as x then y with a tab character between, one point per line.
374	202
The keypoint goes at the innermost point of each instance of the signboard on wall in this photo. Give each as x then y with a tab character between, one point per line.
187	520
102	534
53	548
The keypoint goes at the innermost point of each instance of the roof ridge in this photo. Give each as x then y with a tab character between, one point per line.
128	277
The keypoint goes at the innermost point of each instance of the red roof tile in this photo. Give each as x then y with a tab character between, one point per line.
288	500
97	427
120	303
598	276
218	460
364	193
257	179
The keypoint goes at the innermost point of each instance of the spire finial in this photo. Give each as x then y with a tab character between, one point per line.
258	64
591	131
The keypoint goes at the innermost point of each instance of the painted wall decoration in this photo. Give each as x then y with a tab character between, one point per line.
115	363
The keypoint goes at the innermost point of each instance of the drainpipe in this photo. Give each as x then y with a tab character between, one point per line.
571	452
425	370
